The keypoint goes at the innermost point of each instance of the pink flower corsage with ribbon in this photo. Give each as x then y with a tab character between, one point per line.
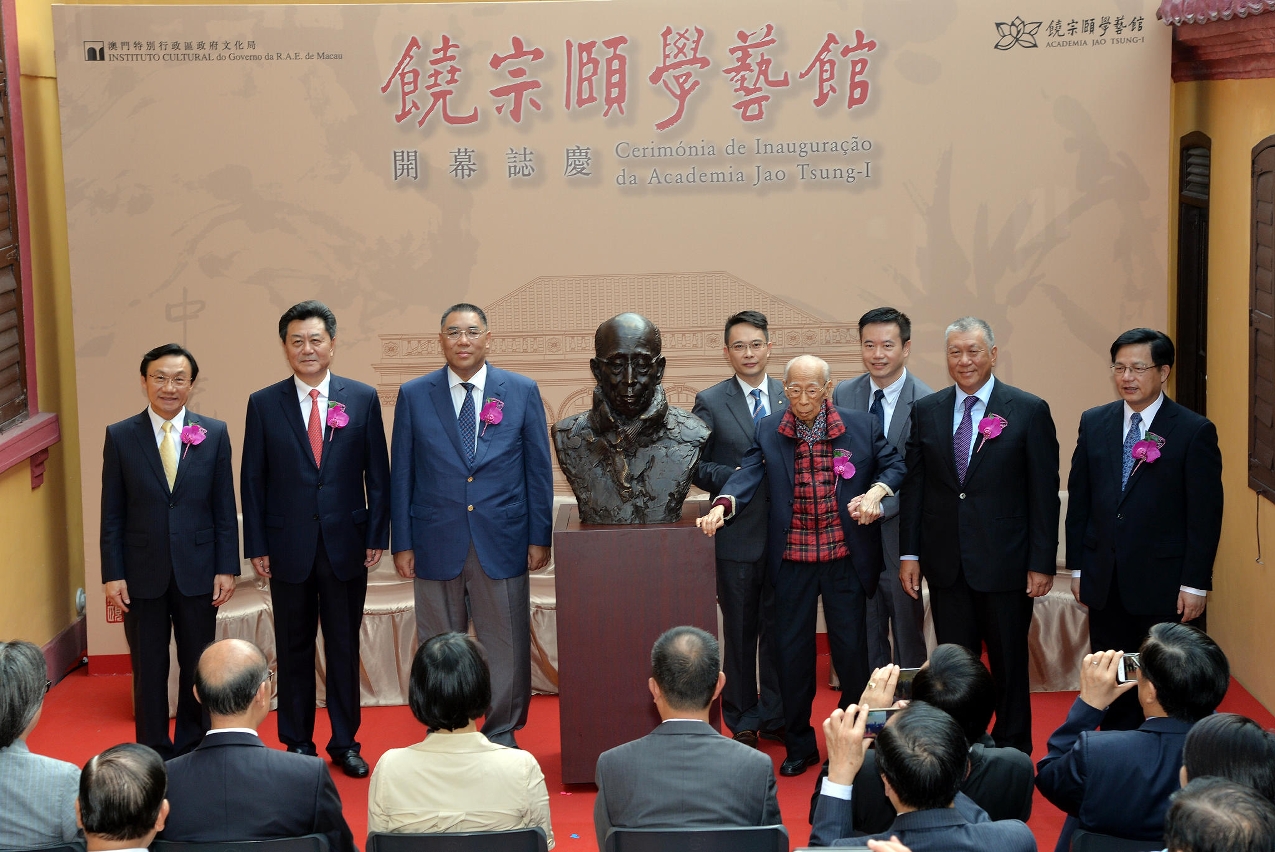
1147	450
337	418
841	464
989	427
491	415
192	435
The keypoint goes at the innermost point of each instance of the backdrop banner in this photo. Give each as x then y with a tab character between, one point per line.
560	162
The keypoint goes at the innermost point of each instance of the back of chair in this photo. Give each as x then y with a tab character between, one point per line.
523	840
1089	841
752	838
308	843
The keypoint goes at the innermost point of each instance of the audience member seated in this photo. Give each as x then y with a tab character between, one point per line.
231	787
922	755
1216	815
121	804
684	774
38	793
1234	747
1119	782
456	779
956	682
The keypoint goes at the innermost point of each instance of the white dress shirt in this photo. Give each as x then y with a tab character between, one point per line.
157	424
303	396
479	381
748	389
890	398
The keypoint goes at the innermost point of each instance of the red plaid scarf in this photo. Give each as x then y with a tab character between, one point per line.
815	534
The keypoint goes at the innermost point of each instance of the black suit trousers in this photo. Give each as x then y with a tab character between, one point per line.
148	624
324	599
967	617
748	633
798	587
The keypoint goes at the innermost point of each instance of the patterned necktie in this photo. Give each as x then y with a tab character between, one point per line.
315	427
878	408
468	423
759	407
168	454
963	438
1134	436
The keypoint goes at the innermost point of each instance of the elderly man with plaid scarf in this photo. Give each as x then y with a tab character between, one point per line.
832	476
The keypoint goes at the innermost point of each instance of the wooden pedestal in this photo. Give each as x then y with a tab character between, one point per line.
618	588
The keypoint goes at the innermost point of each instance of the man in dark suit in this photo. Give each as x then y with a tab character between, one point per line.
1142	531
684	773
231	787
314	483
829	470
473	506
1119	782
732	409
922	756
887	391
980	512
170	541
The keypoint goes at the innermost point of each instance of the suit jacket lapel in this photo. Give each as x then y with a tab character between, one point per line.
902	410
942	425
739	406
145	434
183	450
495	389
1165	419
291	406
336	394
997	403
778	401
441	394
1112	441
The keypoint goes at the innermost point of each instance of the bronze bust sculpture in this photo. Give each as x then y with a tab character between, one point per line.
630	458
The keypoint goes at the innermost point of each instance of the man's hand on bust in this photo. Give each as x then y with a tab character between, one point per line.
713	521
843	734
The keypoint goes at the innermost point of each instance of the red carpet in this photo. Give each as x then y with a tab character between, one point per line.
84	715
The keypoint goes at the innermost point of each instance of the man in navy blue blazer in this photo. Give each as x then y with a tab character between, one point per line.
829	469
314	483
170	541
473	504
1119	782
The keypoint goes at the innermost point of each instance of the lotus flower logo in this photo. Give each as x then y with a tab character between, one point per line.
1017	32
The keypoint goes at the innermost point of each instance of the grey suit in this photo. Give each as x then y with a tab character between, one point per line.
682	775
39	799
891	603
743	590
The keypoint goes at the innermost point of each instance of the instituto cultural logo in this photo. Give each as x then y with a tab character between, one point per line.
1017	33
94	51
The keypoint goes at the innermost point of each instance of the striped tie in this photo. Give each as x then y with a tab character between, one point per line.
1135	435
759	407
963	439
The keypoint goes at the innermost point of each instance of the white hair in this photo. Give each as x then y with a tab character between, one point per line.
965	325
827	371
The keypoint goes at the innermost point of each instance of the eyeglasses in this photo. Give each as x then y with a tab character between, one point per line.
1121	369
470	333
269	676
811	391
754	346
178	382
48	684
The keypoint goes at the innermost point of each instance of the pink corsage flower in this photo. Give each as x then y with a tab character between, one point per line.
1147	450
841	464
192	435
337	417
989	427
491	415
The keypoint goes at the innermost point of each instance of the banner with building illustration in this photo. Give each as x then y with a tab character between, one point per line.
560	162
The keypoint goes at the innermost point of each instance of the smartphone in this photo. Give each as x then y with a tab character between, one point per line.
903	690
1129	664
876	721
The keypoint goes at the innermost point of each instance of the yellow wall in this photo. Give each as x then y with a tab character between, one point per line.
1236	115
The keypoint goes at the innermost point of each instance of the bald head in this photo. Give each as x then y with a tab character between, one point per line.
623	328
627	363
229	678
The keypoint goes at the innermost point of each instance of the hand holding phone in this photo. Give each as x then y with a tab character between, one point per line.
1129	666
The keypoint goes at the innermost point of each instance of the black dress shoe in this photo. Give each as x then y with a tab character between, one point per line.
303	750
354	766
797	765
776	734
747	737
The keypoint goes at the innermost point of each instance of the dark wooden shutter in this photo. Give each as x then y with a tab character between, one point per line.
1261	429
1191	388
13	374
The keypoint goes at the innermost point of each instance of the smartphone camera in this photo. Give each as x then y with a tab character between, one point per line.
1129	665
876	721
903	690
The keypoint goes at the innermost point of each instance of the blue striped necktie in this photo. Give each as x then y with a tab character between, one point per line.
759	407
1134	436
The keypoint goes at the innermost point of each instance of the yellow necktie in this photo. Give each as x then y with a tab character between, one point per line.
168	454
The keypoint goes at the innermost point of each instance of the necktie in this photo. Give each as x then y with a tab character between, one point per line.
961	441
1134	436
468	423
878	408
168	454
759	407
315	427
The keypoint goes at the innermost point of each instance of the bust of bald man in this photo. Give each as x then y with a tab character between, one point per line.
629	459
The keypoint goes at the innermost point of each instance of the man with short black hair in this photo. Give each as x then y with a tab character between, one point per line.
684	773
1216	815
121	804
217	790
922	756
1119	782
169	540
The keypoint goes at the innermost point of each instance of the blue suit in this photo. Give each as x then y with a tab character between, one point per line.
168	545
469	524
844	584
316	523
